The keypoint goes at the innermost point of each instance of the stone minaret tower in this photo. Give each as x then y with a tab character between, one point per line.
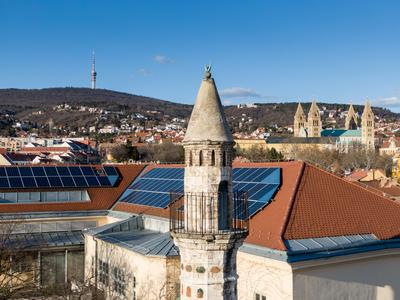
94	73
351	119
367	127
314	121
208	242
299	122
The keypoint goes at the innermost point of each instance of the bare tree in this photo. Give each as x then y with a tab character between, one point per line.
18	269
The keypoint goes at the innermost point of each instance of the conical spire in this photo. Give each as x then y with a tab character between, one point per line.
299	111
208	122
351	112
314	108
367	109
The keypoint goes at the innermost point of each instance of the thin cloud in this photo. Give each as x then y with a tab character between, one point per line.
392	101
144	72
162	59
239	92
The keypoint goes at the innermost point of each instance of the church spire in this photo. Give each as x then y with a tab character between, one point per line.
314	121
367	127
351	121
299	122
208	121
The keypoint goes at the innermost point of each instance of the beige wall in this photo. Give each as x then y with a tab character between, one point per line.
4	161
368	278
155	277
271	278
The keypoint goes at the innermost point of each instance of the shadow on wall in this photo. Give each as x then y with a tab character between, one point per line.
367	279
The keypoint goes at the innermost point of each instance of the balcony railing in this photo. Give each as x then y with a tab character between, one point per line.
209	213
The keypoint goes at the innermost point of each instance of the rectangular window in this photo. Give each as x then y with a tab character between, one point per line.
103	272
119	281
258	296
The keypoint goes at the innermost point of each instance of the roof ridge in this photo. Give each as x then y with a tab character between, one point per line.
292	201
374	191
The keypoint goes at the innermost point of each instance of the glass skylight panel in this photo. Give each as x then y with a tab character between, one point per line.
2	171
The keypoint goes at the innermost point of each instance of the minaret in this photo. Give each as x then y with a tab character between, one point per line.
94	73
351	118
314	121
209	236
367	127
299	122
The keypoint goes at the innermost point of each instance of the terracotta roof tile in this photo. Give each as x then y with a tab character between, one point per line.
310	203
326	205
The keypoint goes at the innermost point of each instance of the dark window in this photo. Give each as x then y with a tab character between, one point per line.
190	158
103	272
224	160
213	158
201	158
119	281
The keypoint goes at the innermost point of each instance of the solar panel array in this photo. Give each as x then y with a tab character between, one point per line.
153	188
57	177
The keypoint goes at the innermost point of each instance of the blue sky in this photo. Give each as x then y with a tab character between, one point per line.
261	51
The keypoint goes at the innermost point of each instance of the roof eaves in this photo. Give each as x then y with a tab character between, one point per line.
291	203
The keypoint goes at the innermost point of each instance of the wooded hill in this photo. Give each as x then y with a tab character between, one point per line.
25	102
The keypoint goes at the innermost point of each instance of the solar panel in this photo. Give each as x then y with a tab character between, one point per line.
57	176
29	182
153	188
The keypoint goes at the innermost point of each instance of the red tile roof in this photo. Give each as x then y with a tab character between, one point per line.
326	205
101	198
311	203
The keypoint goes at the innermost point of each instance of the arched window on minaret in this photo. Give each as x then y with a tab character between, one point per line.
213	158
224	158
190	158
200	158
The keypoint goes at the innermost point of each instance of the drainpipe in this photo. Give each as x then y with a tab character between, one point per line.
95	268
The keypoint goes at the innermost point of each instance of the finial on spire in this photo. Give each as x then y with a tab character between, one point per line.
207	73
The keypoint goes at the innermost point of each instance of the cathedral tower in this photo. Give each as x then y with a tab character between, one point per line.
299	122
367	127
314	121
208	238
351	119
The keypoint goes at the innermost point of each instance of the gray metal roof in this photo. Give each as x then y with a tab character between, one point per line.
329	243
42	240
145	242
53	214
130	234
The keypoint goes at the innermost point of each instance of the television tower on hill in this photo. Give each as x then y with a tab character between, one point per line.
94	73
